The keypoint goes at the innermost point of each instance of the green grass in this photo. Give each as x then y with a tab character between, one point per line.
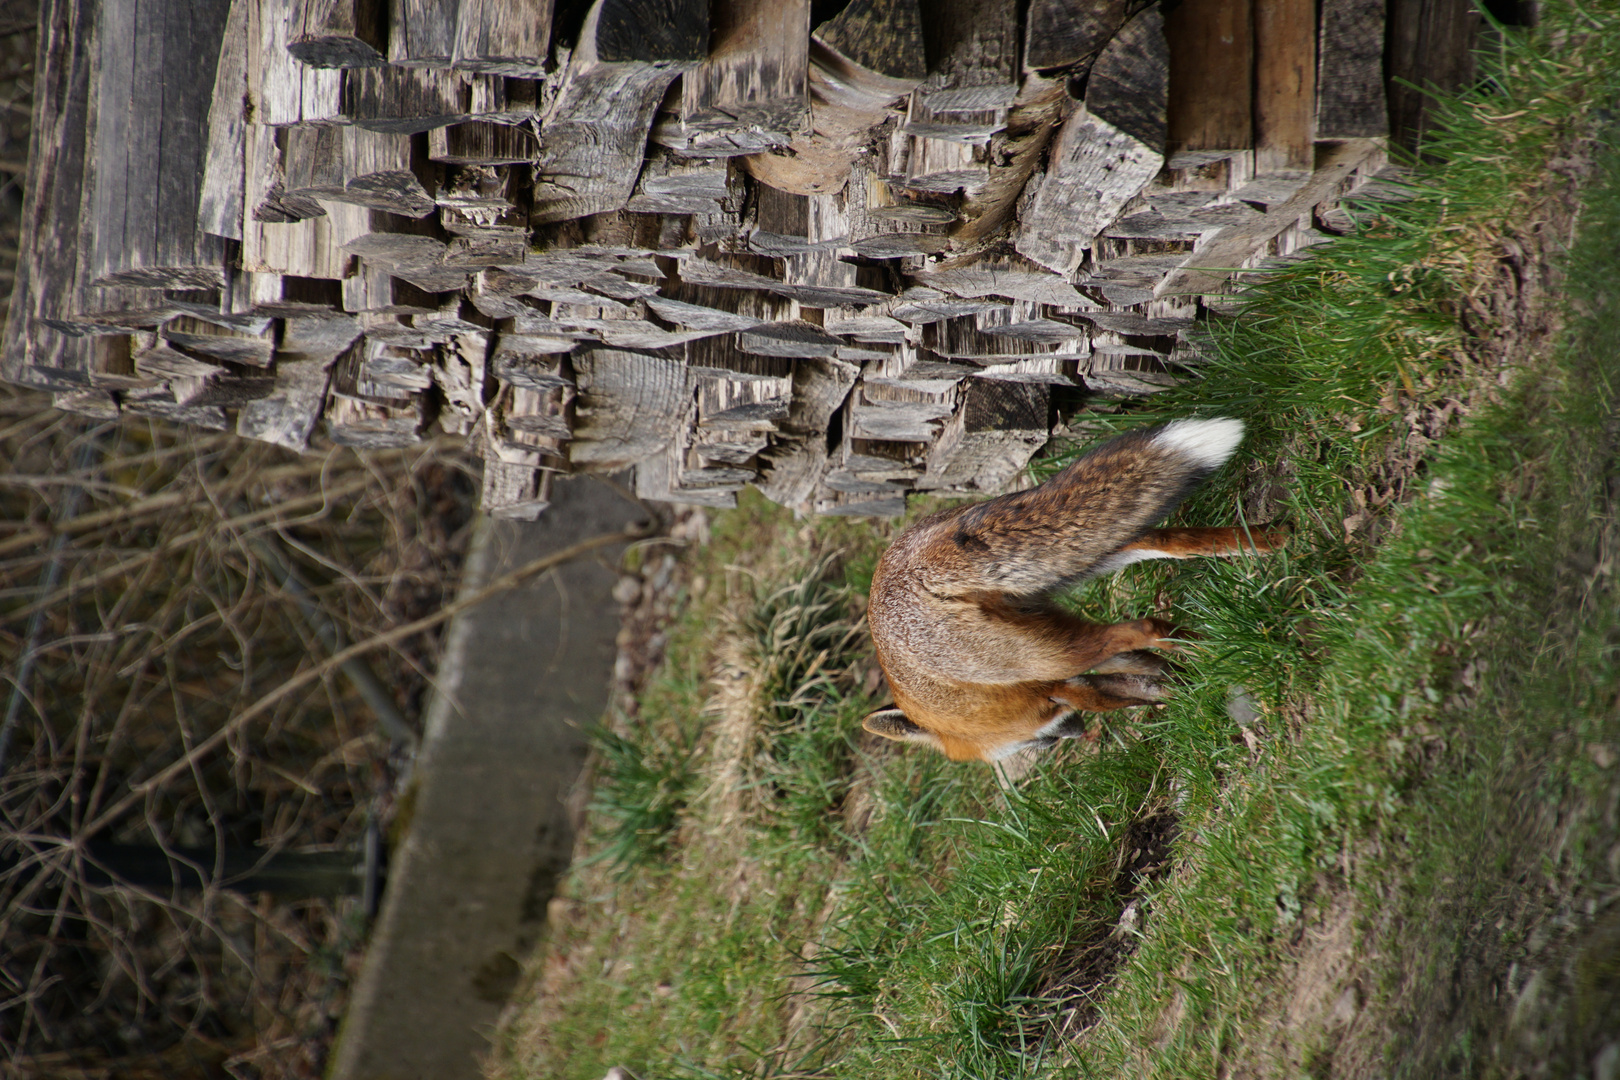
1425	680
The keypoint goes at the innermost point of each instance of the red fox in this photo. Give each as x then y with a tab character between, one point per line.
980	661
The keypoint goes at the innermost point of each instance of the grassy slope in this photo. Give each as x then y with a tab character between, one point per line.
1427	752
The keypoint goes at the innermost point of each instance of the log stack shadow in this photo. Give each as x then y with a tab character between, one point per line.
717	240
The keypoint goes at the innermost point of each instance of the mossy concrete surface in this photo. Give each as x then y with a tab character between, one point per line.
486	832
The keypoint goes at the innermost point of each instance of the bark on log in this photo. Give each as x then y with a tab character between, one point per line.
1350	102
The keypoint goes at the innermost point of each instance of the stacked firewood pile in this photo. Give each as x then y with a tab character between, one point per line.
841	257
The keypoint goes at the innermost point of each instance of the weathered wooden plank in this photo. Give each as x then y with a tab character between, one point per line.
151	91
1429	46
1350	102
1211	75
1284	85
42	349
280	90
1238	246
339	33
1107	152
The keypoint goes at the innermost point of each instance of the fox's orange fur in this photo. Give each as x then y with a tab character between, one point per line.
979	659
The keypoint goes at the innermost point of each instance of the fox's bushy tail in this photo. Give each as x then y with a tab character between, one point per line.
1033	541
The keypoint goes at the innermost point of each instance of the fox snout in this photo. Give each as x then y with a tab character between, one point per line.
978	656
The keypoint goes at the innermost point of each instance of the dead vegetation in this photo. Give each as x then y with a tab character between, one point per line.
183	857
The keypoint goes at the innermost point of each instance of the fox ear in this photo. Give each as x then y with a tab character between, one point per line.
892	724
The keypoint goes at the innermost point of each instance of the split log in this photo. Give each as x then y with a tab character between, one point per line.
520	492
372	287
482	201
991	438
1063	34
1005	278
304	248
288	414
972	52
339	33
1107	152
280	90
413	100
673	185
596	127
754	84
353	165
630	407
504	37
160	404
794	339
221	342
151	89
897	413
1350	101
517	443
479	142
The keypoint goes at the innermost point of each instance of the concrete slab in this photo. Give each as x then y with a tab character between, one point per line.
523	677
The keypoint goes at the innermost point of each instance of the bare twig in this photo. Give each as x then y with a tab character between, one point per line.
501	584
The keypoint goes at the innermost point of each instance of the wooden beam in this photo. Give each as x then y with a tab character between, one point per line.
1350	101
1211	75
1284	85
596	126
151	90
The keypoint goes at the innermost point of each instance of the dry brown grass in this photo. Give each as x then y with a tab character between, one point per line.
155	584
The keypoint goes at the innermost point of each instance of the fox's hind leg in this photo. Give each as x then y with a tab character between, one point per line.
1217	542
1136	662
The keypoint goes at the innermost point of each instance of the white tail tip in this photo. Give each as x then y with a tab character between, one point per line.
1208	442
